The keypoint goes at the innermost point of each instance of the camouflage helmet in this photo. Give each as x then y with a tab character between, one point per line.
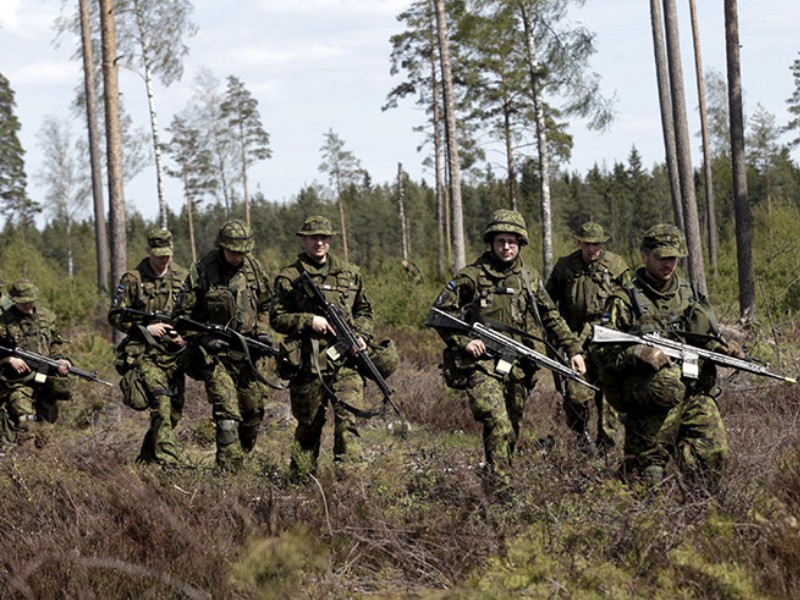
506	221
236	237
591	233
316	225
23	291
664	241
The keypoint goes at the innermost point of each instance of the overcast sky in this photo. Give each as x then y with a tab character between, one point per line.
314	65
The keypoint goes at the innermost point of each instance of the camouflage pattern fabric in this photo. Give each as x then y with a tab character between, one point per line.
581	291
292	313
666	417
26	399
159	363
512	295
238	297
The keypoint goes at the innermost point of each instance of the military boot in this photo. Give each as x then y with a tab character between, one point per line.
230	456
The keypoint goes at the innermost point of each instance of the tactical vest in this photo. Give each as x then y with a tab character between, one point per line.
339	286
666	315
30	332
587	289
503	298
231	300
157	294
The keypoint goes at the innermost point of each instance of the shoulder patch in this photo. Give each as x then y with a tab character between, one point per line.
443	296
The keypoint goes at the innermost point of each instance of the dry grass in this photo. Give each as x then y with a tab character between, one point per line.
79	519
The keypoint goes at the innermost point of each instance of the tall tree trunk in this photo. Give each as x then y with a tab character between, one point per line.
744	256
711	211
245	190
443	230
189	212
342	222
665	102
697	273
151	105
541	142
100	236
401	206
454	167
512	175
116	199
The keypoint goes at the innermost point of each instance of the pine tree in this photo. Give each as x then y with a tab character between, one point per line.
13	180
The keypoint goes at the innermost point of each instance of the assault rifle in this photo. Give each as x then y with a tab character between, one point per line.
42	366
687	354
347	342
228	338
505	348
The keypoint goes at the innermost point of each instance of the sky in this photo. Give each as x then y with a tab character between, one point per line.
316	65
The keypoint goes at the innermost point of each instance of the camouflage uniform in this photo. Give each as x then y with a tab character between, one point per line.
27	399
156	362
238	297
316	380
581	290
666	414
511	295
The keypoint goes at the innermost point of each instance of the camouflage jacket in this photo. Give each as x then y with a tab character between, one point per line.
293	310
672	310
35	332
511	295
141	289
216	292
581	290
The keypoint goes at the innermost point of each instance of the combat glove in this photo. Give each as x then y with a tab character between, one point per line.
732	349
653	357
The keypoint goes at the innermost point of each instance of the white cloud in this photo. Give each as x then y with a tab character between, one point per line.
8	14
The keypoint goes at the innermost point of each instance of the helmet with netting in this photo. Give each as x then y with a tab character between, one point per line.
506	221
236	237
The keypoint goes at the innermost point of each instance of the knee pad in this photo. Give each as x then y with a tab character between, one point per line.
227	431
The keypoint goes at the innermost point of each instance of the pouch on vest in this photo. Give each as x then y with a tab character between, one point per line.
456	368
220	305
289	360
385	357
133	392
127	354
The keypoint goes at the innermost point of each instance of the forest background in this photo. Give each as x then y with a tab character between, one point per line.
82	519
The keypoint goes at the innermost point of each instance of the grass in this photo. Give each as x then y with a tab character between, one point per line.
79	518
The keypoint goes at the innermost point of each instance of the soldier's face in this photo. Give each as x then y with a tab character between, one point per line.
590	251
660	269
505	246
159	264
234	259
25	307
317	246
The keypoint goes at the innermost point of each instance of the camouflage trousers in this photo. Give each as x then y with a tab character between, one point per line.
577	400
238	400
692	433
27	402
498	404
164	385
310	398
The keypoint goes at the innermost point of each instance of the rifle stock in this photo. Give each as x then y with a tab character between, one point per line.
506	348
687	354
347	341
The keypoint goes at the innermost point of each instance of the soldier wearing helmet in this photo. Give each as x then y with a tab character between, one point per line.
316	379
666	414
150	358
229	287
580	285
499	290
31	400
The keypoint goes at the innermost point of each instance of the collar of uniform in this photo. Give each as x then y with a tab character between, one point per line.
499	269
146	270
331	264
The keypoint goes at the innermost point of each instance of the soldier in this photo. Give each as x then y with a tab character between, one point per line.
228	287
580	285
666	414
151	357
317	380
31	327
499	290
